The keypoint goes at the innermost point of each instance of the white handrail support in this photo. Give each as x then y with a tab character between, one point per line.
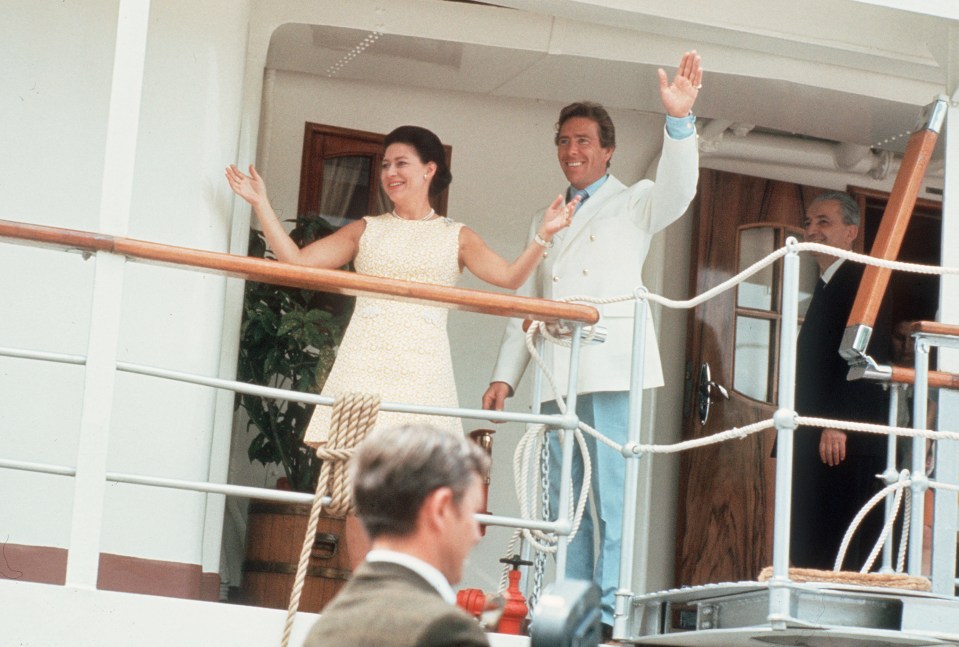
779	593
83	555
624	593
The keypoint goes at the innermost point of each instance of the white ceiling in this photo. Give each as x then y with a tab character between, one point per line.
840	70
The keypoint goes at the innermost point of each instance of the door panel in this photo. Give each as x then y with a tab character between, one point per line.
726	493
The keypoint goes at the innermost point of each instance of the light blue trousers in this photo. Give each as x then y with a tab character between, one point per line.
606	412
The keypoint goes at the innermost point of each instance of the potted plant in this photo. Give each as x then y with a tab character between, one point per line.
288	339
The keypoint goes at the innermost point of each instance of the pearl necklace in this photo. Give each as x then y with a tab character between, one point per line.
429	216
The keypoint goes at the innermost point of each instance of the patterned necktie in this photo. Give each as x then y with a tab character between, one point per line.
583	196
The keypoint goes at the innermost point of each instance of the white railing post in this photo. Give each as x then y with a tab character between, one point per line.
115	199
891	475
83	556
920	482
631	481
566	469
785	427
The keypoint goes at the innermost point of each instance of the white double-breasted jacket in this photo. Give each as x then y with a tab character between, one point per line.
601	255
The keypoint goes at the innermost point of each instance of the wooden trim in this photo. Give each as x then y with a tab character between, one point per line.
937	379
41	564
892	229
934	328
266	271
311	166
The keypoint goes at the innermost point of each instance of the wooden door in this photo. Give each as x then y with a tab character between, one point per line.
726	491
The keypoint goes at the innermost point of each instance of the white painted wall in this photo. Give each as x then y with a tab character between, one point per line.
54	103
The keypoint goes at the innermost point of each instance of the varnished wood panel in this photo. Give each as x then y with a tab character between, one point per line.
726	492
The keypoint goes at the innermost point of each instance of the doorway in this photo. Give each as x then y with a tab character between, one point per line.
726	493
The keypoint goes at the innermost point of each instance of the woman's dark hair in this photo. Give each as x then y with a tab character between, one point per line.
429	148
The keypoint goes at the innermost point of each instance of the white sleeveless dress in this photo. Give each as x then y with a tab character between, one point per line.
398	350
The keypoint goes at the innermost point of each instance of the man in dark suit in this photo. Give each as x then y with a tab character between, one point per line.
835	471
416	489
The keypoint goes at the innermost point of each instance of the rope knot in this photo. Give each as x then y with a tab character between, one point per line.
353	416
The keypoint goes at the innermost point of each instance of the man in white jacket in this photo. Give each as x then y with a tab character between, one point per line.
602	254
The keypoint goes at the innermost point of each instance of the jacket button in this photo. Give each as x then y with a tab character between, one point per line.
592	237
555	278
585	271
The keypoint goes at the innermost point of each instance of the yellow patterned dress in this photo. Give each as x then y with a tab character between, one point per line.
398	350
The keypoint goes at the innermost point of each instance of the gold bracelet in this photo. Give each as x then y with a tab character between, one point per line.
540	241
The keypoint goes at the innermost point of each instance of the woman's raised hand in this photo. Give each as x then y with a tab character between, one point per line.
250	187
558	216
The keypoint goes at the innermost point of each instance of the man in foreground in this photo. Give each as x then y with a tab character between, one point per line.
416	490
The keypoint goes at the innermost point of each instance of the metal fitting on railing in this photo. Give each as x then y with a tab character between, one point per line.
785	419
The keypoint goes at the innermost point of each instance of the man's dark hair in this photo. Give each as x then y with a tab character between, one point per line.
395	469
590	110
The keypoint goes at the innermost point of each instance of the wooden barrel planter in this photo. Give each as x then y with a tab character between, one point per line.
274	540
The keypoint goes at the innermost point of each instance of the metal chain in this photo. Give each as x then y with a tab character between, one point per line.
539	560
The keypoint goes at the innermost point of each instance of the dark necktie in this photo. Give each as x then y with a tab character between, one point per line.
820	286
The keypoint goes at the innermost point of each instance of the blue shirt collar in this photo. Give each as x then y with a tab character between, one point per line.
592	188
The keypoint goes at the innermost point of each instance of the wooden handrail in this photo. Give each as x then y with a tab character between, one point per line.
934	328
266	271
895	218
937	379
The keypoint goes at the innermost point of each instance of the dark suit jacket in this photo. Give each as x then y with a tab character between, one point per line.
822	389
388	605
825	499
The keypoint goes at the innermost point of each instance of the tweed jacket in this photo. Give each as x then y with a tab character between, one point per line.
388	605
601	255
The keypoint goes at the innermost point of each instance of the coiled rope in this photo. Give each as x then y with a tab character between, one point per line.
353	416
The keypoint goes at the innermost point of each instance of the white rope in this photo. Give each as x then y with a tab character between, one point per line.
526	454
773	256
887	526
848	425
904	540
901	488
522	458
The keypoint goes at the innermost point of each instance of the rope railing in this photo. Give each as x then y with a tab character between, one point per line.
536	433
537	328
772	257
578	309
262	270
